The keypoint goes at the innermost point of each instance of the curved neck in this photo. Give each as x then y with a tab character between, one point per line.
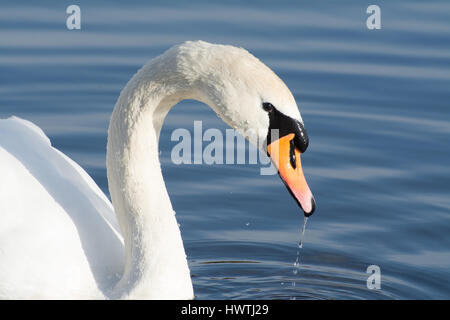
156	265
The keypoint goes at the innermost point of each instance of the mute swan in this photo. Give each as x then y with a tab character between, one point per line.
59	235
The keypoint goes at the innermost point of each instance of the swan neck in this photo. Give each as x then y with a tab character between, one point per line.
156	264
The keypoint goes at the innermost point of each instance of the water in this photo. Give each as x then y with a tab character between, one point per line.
300	246
375	104
302	233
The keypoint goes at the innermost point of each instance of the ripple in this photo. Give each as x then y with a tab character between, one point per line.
273	278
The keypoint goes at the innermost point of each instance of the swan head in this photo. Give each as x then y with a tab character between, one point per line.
254	101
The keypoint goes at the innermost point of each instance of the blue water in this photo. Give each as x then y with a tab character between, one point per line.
375	104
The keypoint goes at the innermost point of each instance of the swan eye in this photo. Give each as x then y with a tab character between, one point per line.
267	106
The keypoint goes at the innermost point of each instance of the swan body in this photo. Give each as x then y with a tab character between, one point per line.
60	237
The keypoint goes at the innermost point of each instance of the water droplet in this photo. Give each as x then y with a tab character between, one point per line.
302	234
296	263
300	245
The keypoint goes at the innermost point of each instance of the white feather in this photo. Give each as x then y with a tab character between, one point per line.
59	235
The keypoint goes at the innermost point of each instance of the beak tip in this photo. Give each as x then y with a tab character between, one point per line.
313	208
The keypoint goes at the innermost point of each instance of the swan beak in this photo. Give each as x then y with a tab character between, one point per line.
286	157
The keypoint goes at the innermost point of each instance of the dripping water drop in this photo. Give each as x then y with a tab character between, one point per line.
300	246
302	234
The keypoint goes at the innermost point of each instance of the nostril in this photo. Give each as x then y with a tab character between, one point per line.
292	154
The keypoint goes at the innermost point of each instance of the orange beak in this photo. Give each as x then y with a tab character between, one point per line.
286	157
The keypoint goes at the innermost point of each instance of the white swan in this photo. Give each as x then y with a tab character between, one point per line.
59	237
